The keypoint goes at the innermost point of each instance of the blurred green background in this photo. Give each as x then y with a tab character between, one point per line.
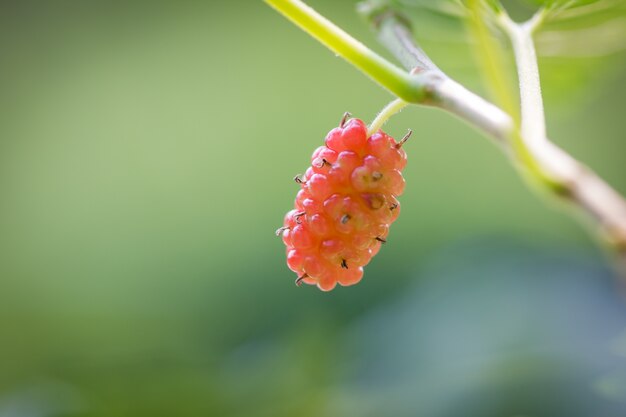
147	151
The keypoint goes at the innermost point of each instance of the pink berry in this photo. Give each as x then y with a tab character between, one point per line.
346	203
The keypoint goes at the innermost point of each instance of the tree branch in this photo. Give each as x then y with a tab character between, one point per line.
428	85
581	185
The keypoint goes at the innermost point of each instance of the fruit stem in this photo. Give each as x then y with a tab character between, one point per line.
385	114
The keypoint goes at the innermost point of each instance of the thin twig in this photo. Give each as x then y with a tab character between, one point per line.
533	119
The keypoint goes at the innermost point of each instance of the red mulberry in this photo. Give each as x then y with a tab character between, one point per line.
346	202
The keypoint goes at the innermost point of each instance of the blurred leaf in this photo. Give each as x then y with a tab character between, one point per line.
443	7
581	40
593	29
565	4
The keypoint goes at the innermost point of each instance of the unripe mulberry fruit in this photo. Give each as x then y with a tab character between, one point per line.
347	200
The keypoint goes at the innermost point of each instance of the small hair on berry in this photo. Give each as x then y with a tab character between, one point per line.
404	139
344	119
282	229
323	162
300	279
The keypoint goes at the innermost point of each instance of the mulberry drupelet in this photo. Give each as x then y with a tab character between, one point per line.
346	202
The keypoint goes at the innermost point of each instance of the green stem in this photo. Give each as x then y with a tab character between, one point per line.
385	114
534	151
533	124
394	79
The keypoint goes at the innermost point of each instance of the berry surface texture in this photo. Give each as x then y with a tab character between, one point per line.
346	203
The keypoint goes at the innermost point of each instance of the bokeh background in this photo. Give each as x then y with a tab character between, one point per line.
147	151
